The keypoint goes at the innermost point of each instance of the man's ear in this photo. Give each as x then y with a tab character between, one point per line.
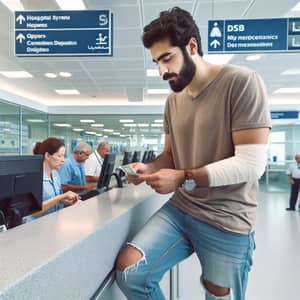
192	46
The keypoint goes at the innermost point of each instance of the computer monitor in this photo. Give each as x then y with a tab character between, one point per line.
145	156
150	155
106	171
136	157
127	158
21	189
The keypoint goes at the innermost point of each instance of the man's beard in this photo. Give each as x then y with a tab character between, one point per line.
185	75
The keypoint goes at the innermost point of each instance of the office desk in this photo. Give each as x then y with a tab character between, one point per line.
67	254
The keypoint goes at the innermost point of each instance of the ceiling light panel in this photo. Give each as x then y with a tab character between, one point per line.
67	92
71	4
287	91
16	74
87	121
294	71
158	91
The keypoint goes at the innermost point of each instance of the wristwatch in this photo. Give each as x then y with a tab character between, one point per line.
189	182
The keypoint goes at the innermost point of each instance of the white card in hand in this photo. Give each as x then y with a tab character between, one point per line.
128	170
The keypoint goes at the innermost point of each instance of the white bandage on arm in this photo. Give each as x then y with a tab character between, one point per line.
248	164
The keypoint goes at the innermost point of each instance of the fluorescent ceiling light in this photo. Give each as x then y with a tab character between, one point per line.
97	125
152	73
126	121
35	120
129	125
287	91
13	5
296	7
218	59
67	92
71	4
87	121
105	136
253	57
90	132
143	125
99	134
116	133
122	135
291	72
16	74
77	129
65	74
158	121
157	125
108	130
62	125
158	91
50	75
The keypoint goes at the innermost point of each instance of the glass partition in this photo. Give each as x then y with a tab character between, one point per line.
9	129
34	128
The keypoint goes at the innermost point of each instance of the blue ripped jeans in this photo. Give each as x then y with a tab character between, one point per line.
171	236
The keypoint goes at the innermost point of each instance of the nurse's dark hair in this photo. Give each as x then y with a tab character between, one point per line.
175	24
50	145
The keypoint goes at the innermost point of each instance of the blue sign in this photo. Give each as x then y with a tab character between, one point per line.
50	33
257	35
294	114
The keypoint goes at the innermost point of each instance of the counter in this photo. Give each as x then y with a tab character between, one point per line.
67	254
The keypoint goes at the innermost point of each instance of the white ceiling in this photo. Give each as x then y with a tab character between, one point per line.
121	80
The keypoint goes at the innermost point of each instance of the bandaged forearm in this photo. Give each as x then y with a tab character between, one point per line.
248	164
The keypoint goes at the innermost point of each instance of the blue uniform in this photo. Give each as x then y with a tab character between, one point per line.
72	172
51	188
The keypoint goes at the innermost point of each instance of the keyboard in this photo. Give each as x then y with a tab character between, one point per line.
88	194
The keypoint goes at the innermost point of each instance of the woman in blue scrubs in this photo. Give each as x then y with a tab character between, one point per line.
54	199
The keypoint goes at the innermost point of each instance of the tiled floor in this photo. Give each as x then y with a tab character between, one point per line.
276	271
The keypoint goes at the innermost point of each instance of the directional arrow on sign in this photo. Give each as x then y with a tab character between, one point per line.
215	43
20	38
20	19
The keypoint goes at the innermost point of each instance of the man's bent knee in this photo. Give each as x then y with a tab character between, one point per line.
215	289
130	255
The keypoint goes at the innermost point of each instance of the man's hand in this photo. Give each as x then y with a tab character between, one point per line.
165	181
140	169
292	181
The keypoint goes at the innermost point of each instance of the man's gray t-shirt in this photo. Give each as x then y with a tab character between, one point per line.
200	131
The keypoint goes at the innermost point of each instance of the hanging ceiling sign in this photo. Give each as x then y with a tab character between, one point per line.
257	35
51	33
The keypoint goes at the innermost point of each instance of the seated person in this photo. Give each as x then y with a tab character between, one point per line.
54	199
72	173
94	163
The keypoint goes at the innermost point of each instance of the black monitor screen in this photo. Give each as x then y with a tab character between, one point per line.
145	156
136	156
127	158
21	189
106	170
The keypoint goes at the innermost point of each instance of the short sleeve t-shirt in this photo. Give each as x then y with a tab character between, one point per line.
72	172
200	131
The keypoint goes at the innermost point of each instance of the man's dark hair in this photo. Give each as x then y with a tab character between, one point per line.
176	24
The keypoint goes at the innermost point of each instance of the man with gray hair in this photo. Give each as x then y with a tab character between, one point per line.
94	163
72	173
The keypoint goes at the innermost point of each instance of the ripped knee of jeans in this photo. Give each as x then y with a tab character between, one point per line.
122	263
217	291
